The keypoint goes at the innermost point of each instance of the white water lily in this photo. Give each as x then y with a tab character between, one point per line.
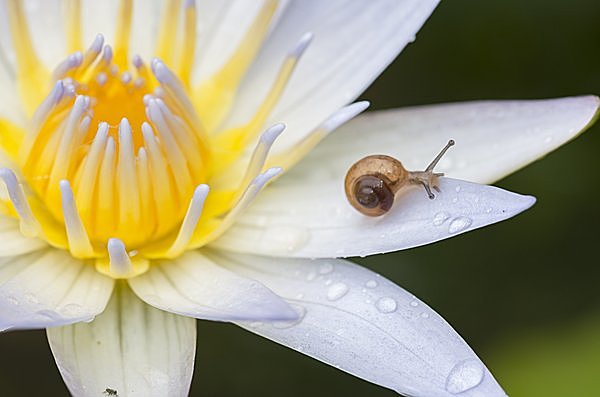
136	197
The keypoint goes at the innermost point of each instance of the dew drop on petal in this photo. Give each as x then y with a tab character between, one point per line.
71	310
326	268
336	291
414	303
31	299
459	224
386	305
371	284
464	376
440	218
311	276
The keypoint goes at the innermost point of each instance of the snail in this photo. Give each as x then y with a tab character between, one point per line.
372	183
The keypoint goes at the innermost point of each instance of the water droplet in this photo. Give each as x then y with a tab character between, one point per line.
459	224
386	305
464	376
371	284
455	200
71	310
440	218
326	268
31	299
548	139
425	315
311	276
300	296
336	291
488	210
328	282
414	303
457	189
300	310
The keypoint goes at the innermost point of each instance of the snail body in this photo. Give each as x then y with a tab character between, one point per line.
373	182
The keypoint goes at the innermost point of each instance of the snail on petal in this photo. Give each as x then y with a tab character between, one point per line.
373	182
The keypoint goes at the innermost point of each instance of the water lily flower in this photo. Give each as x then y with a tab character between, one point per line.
138	146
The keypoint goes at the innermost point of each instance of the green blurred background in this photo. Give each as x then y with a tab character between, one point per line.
523	293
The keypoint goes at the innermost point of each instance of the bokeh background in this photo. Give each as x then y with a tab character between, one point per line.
525	293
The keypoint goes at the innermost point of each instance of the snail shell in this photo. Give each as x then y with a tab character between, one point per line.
372	183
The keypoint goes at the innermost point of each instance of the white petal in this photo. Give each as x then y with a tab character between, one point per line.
46	23
353	42
48	288
316	221
131	348
13	242
10	106
195	286
221	27
363	324
493	138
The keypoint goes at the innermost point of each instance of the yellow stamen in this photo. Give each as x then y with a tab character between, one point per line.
31	74
232	142
168	30
73	18
123	32
214	98
188	48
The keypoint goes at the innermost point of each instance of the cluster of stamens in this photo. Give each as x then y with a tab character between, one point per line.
117	160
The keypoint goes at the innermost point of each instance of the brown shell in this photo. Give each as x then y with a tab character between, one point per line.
372	182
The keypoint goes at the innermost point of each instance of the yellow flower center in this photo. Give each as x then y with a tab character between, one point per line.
116	162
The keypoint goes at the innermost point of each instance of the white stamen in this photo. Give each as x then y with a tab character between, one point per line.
146	202
84	125
184	137
101	78
173	152
120	263
106	180
261	151
87	181
137	61
302	45
249	195
175	89
92	53
129	207
28	224
73	61
64	157
107	55
189	222
79	243
139	82
343	115
41	113
161	181
126	78
340	117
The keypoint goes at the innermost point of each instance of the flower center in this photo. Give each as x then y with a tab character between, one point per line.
118	157
125	144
